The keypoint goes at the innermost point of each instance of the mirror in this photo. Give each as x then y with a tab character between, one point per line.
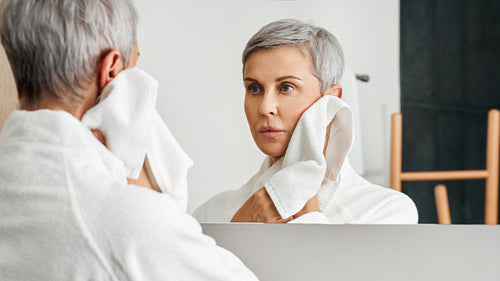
194	50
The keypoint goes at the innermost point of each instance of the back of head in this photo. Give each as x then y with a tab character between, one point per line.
317	43
54	46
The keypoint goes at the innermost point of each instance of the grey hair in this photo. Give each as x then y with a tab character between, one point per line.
55	46
317	43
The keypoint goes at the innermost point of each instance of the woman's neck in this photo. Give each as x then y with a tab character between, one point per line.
273	160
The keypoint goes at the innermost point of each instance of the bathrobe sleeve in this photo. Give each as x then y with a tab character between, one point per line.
361	202
312	217
151	238
396	208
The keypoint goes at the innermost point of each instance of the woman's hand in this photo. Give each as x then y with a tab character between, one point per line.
143	179
310	206
99	136
260	208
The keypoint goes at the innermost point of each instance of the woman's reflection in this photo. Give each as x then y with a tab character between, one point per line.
291	72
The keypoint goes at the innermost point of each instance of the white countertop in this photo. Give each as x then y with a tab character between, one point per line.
363	252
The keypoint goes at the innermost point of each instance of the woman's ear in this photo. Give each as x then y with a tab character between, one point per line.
334	90
111	65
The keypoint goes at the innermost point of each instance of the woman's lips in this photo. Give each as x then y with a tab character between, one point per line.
270	132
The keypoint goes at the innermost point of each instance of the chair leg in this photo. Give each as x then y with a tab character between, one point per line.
492	159
396	150
442	206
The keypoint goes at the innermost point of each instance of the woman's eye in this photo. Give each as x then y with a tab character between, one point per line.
286	88
253	89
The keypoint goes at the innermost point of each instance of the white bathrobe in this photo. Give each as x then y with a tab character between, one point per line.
67	213
343	196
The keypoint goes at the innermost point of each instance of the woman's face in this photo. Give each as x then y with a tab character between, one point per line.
279	87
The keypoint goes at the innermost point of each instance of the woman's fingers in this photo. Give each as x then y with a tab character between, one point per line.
143	180
260	208
310	206
99	136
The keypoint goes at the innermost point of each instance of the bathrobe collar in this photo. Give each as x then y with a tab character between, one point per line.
61	129
46	126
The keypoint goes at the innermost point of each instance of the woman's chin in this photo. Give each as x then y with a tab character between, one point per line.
273	151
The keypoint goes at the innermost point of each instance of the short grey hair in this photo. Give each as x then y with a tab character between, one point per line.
317	43
55	46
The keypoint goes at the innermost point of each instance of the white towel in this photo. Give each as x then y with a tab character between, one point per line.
133	129
301	171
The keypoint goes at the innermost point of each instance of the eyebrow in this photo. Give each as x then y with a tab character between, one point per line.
251	79
277	79
288	77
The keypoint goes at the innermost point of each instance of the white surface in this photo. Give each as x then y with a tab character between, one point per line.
8	98
67	213
194	49
350	94
363	252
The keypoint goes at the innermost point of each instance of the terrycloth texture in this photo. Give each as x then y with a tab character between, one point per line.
133	129
343	196
67	213
301	172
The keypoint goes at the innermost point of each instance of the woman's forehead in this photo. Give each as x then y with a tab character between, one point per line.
277	62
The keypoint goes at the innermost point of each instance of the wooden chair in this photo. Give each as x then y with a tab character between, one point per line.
490	174
442	205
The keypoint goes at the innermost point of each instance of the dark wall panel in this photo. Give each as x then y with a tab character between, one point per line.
450	77
419	73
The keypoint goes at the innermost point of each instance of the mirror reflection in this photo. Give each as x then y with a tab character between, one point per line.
292	73
225	100
203	95
437	109
229	157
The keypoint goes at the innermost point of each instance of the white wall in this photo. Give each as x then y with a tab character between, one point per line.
8	91
194	49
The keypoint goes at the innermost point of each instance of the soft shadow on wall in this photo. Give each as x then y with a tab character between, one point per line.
450	52
8	92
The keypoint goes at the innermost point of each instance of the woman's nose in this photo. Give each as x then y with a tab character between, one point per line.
268	105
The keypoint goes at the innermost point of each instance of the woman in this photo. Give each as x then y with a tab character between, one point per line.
291	72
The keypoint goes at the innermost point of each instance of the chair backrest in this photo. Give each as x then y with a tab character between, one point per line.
8	91
490	174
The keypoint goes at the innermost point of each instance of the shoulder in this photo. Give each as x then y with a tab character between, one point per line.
370	203
393	207
138	207
221	207
147	234
141	232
